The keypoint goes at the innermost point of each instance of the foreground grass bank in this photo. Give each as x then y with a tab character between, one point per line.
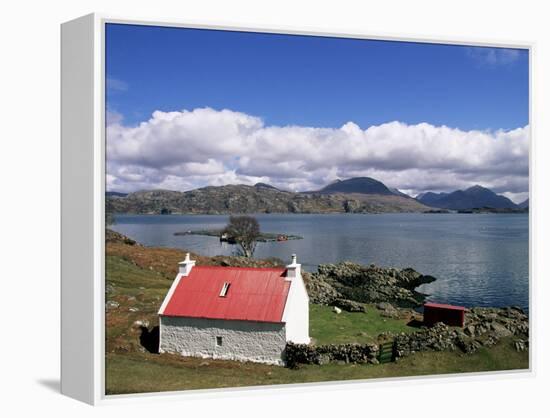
145	372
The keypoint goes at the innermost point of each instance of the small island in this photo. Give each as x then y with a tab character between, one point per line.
224	237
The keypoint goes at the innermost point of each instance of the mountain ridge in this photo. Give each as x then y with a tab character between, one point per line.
264	198
473	197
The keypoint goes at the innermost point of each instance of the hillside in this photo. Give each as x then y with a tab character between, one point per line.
429	198
263	198
363	185
473	197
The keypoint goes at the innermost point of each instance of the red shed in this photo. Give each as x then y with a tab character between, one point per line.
448	314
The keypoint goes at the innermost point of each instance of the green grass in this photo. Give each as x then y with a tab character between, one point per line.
129	370
140	372
132	288
128	278
327	327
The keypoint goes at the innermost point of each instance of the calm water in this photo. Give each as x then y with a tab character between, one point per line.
479	260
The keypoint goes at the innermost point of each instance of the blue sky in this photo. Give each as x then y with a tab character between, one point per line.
190	108
314	81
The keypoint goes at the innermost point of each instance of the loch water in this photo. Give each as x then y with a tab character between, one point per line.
478	259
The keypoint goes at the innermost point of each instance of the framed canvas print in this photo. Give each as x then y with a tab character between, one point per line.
256	208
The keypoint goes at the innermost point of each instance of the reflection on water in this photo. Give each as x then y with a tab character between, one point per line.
479	260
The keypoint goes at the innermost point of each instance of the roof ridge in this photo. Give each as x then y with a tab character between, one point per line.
242	268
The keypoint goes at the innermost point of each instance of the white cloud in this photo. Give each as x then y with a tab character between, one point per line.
189	149
114	84
113	117
492	57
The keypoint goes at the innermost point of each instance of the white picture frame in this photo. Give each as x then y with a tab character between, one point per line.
83	202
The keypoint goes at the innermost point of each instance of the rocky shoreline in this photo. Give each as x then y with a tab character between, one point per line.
348	286
353	282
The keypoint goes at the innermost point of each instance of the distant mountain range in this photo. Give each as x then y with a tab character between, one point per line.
356	195
473	197
428	198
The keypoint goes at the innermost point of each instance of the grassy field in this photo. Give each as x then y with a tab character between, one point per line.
135	291
326	327
144	372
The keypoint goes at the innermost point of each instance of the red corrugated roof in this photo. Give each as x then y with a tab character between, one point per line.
255	294
443	306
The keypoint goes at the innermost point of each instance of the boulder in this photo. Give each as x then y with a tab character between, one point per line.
521	345
468	345
500	330
111	304
470	330
349	305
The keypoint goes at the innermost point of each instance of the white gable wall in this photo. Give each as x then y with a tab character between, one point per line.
296	313
261	342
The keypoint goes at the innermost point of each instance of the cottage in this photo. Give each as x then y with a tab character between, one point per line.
234	313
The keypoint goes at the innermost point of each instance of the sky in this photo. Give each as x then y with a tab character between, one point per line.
188	108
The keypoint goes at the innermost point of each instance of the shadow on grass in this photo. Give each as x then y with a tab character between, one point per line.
150	339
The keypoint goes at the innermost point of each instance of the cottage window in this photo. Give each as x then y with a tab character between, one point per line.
218	341
225	289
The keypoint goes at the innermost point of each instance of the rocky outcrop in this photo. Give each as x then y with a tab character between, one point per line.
349	305
323	293
500	322
483	327
387	310
365	284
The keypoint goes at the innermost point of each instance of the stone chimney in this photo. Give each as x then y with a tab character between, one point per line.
294	269
186	265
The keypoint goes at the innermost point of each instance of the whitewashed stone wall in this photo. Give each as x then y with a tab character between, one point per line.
241	340
296	314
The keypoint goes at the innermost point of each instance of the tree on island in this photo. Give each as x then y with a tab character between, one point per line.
245	230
